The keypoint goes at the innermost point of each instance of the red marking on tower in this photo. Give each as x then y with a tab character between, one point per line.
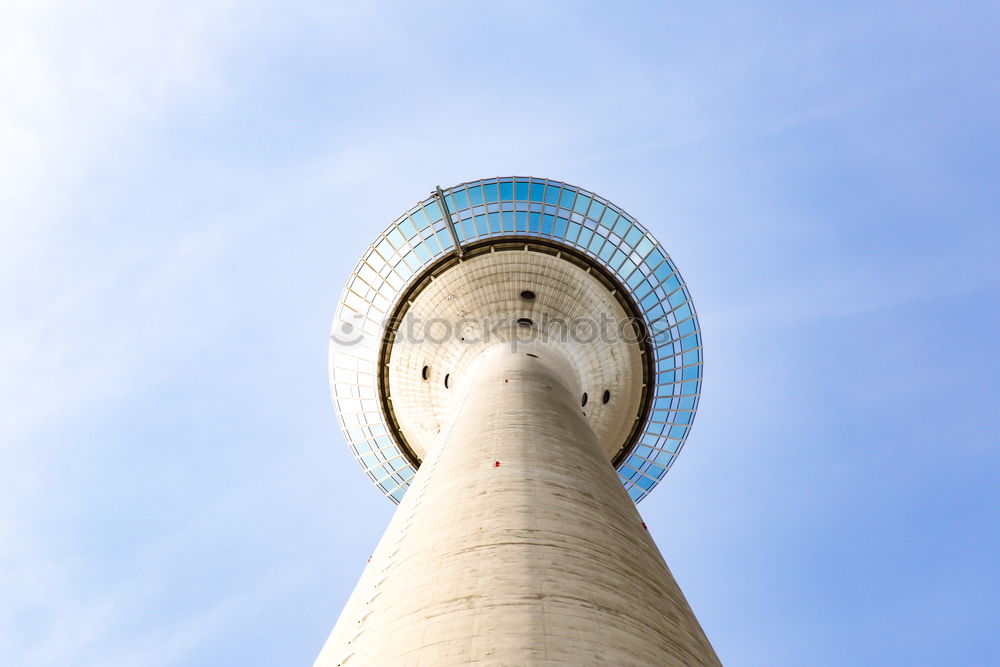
496	464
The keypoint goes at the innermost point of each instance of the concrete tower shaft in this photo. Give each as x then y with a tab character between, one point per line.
516	543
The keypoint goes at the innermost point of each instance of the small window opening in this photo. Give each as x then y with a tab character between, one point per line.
448	376
533	356
606	397
527	295
426	372
583	401
525	322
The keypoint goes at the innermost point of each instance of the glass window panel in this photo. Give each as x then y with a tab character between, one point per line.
566	198
433	211
547	222
521	191
633	236
597	210
494	222
482	227
552	194
476	195
420	219
492	192
645	245
596	243
538	192
582	202
522	220
407	227
461	199
534	220
396	239
506	191
559	229
507	220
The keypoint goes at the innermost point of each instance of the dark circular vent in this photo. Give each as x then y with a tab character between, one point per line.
528	295
606	397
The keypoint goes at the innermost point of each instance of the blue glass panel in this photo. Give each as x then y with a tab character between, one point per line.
686	327
476	195
691	357
683	312
644	246
482	227
677	298
433	211
398	494
444	238
547	221
682	418
607	251
581	204
635	461
552	194
507	218
559	229
671	284
413	261
572	231
597	210
494	222
406	474
566	199
643	451
534	219
492	192
691	373
678	432
664	458
621	226
689	341
537	192
522	220
396	239
420	219
596	243
662	272
617	259
635	493
406	226
521	191
422	252
634	236
468	229
506	191
656	471
585	236
461	200
687	403
689	388
655	258
645	482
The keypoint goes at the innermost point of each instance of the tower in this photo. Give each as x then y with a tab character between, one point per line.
516	362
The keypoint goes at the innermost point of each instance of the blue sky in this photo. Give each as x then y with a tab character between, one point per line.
184	187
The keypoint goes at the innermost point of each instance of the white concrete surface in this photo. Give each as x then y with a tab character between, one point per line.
542	559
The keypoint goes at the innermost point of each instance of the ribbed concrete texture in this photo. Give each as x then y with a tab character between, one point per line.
516	543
